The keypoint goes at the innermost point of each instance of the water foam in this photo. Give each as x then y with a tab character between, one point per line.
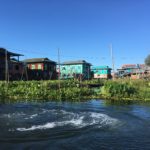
31	116
78	120
103	120
35	127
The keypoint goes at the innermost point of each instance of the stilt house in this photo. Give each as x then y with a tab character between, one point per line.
75	69
101	72
41	69
10	66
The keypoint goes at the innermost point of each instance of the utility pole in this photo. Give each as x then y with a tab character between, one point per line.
59	68
6	72
6	67
112	59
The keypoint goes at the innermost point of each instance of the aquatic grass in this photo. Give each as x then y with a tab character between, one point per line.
118	90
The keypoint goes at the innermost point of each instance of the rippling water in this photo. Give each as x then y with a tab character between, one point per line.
87	125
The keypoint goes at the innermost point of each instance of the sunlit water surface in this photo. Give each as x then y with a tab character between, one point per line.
91	125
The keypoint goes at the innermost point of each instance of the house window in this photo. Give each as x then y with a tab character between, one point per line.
32	66
39	66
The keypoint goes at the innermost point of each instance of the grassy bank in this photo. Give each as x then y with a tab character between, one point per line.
74	91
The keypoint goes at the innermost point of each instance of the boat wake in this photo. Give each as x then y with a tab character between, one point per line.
73	119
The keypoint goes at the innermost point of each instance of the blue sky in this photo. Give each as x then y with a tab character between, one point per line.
81	29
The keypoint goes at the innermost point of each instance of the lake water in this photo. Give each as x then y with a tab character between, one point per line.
91	125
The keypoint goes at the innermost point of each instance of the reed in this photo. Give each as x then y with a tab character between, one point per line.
126	89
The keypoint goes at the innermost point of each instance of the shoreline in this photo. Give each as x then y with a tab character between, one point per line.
70	90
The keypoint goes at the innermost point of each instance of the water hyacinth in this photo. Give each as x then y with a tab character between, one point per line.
74	90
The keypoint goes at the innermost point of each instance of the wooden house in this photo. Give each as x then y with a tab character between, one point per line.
10	66
134	71
75	69
102	72
41	69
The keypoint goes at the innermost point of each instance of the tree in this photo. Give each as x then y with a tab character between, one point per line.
147	60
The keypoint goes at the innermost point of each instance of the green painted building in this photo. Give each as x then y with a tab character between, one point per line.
75	69
101	72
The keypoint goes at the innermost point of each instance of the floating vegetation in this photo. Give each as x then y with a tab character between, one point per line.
73	90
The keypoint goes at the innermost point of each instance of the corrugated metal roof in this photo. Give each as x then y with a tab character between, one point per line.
135	66
3	51
75	62
16	61
129	66
36	60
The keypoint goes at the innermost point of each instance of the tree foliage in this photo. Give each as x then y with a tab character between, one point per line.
147	60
